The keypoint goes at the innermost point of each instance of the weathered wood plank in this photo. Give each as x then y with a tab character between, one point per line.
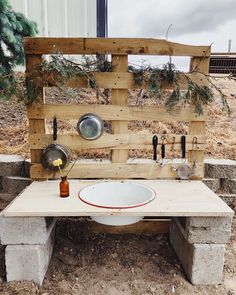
113	141
115	170
35	126
111	45
119	97
202	65
121	81
160	226
112	112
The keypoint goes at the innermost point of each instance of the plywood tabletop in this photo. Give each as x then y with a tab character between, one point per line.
173	198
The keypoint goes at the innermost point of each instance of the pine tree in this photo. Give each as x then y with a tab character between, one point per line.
13	27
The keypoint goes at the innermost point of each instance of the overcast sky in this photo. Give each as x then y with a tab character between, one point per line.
199	22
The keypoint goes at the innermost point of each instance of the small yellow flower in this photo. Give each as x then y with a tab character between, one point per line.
57	162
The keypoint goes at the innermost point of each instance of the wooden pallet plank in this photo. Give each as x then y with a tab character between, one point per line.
41	45
112	112
121	81
112	141
142	227
201	65
115	170
196	128
35	126
119	97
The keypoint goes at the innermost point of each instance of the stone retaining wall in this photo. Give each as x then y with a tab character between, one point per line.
220	177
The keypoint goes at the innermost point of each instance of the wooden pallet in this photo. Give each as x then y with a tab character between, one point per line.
119	112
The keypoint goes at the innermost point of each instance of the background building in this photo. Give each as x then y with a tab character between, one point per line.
66	18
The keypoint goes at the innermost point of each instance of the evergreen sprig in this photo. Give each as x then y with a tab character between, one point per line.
57	70
13	27
197	95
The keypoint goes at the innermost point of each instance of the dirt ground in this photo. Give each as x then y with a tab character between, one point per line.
99	264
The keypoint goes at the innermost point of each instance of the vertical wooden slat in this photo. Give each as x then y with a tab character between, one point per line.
119	97
201	65
35	126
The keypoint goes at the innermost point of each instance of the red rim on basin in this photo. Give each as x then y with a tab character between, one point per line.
109	194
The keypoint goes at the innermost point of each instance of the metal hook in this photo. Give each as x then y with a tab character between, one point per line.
173	144
195	143
163	138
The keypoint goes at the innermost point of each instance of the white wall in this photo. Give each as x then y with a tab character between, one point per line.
61	18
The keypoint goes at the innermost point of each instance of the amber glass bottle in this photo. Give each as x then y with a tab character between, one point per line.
64	187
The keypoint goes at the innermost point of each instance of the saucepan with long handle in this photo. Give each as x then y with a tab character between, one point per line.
55	151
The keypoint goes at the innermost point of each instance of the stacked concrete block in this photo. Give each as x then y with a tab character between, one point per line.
213	184
29	244
15	184
220	168
220	176
199	243
14	176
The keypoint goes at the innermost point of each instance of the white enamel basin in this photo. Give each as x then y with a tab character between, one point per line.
117	195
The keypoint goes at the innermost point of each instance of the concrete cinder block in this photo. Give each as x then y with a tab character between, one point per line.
214	222
205	230
213	184
229	199
28	262
26	230
208	264
15	184
228	186
11	165
202	263
220	168
26	168
207	236
6	197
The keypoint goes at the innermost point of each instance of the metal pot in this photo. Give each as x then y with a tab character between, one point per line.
55	151
90	126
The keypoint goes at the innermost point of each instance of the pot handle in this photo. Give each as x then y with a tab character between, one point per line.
54	128
154	143
183	146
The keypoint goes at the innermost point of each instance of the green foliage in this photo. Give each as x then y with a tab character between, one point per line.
58	70
13	27
196	95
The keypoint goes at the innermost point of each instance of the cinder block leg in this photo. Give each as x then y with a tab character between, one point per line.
30	242
28	262
25	230
203	263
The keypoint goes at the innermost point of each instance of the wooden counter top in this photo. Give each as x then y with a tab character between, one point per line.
173	198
